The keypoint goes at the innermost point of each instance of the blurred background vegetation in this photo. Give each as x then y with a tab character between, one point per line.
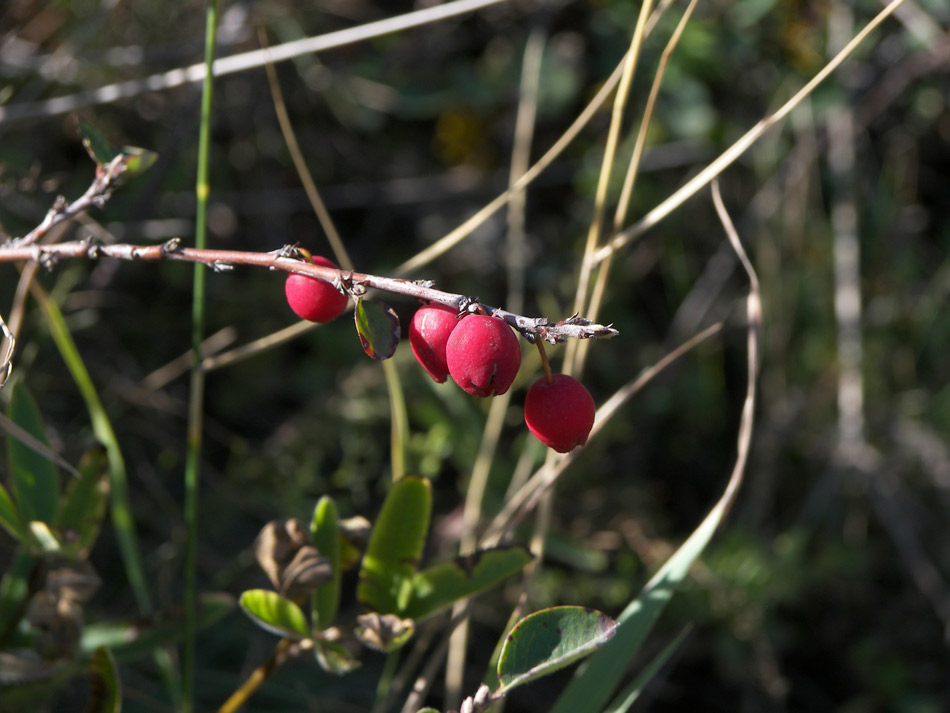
827	589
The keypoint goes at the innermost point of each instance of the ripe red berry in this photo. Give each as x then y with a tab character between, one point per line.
483	355
560	412
312	299
428	332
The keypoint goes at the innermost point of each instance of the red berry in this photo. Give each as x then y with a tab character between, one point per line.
313	299
428	332
483	355
560	412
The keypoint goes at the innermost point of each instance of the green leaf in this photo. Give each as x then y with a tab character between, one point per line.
35	479
83	506
10	517
137	160
325	536
378	327
632	692
442	585
275	613
139	637
105	692
395	546
334	658
549	640
100	150
591	687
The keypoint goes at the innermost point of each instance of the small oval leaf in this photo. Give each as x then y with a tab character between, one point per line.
549	640
98	147
395	546
275	613
378	327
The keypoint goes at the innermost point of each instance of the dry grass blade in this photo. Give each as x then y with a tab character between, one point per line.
443	245
704	177
239	62
300	164
754	317
32	443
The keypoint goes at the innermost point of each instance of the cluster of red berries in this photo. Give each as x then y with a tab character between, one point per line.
480	353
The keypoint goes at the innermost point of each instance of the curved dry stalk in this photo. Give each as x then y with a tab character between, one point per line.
300	164
730	155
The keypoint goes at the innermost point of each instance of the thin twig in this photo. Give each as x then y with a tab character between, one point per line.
353	283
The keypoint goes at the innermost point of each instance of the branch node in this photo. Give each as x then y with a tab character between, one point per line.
171	246
219	266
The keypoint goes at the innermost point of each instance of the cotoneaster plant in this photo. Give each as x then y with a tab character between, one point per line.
313	299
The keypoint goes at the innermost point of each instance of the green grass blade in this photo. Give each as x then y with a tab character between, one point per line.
632	692
120	507
197	382
34	478
592	686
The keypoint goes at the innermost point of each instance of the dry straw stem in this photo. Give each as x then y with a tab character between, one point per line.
239	62
300	164
704	177
626	193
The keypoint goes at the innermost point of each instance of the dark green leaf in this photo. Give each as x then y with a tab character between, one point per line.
378	327
105	692
83	506
10	517
442	585
395	546
549	640
325	536
138	637
35	479
100	150
275	613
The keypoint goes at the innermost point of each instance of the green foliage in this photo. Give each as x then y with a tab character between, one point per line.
549	640
35	479
275	613
378	328
395	546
